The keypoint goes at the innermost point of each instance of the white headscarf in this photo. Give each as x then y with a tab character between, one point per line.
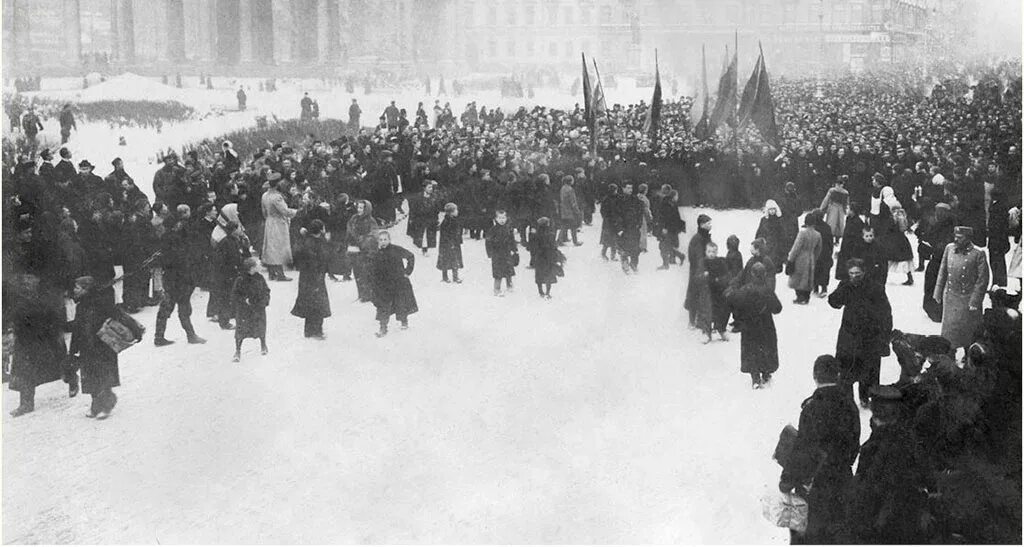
769	205
228	213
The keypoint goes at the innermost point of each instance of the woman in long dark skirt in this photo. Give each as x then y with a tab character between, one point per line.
753	305
823	266
547	259
100	374
392	292
250	297
312	259
449	247
39	351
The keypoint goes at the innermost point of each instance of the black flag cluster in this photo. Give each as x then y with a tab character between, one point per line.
756	105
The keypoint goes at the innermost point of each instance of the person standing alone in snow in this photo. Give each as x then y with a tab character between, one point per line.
501	248
250	297
392	291
449	247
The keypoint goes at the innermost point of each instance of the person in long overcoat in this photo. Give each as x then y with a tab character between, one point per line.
547	260
250	297
631	218
960	288
569	212
824	262
449	246
697	249
790	211
648	216
827	442
312	259
938	236
362	245
609	221
802	259
772	231
835	205
897	247
667	229
500	244
423	211
36	319
864	333
753	305
277	245
181	274
98	362
225	262
392	291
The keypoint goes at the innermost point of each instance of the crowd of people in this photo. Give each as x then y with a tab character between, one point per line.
861	168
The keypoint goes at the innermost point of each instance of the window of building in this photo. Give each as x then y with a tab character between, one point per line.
553	49
492	15
553	15
531	14
856	14
492	48
568	49
510	48
568	19
606	15
530	48
512	15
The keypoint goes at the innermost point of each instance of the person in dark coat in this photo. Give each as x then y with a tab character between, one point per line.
631	217
362	245
337	226
36	318
938	236
864	333
547	260
754	304
423	210
250	297
823	266
887	498
998	236
180	274
609	221
870	252
500	244
713	309
828	438
668	226
449	247
773	232
392	292
697	249
312	260
139	245
100	374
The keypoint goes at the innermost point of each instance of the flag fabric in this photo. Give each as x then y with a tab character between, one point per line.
586	90
654	112
725	105
699	108
756	105
597	103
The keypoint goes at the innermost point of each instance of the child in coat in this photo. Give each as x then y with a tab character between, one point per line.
502	250
449	253
250	297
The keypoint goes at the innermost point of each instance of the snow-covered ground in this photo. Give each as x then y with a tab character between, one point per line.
596	417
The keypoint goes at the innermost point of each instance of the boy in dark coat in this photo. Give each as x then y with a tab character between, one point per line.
312	260
501	248
392	291
449	247
250	297
826	446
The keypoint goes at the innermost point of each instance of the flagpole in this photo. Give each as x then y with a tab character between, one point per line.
736	89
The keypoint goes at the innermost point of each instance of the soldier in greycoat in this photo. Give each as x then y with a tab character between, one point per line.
960	288
864	333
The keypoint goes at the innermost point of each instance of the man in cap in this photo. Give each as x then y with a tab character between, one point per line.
826	446
887	498
87	182
277	246
169	181
960	288
67	123
65	168
181	275
865	330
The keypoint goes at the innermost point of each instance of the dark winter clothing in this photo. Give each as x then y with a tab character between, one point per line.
250	297
449	247
392	291
503	251
312	260
753	308
864	333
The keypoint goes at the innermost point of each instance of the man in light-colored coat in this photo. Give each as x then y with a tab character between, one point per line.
803	259
277	245
960	288
570	214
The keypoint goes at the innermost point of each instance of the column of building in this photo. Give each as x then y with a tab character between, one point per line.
72	30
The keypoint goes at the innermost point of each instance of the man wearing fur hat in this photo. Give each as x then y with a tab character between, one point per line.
960	288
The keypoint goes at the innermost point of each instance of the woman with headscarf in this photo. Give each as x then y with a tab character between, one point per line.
362	240
230	249
754	304
772	231
97	360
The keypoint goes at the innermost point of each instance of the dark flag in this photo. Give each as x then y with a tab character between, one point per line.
725	105
757	106
654	113
702	102
586	91
598	108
